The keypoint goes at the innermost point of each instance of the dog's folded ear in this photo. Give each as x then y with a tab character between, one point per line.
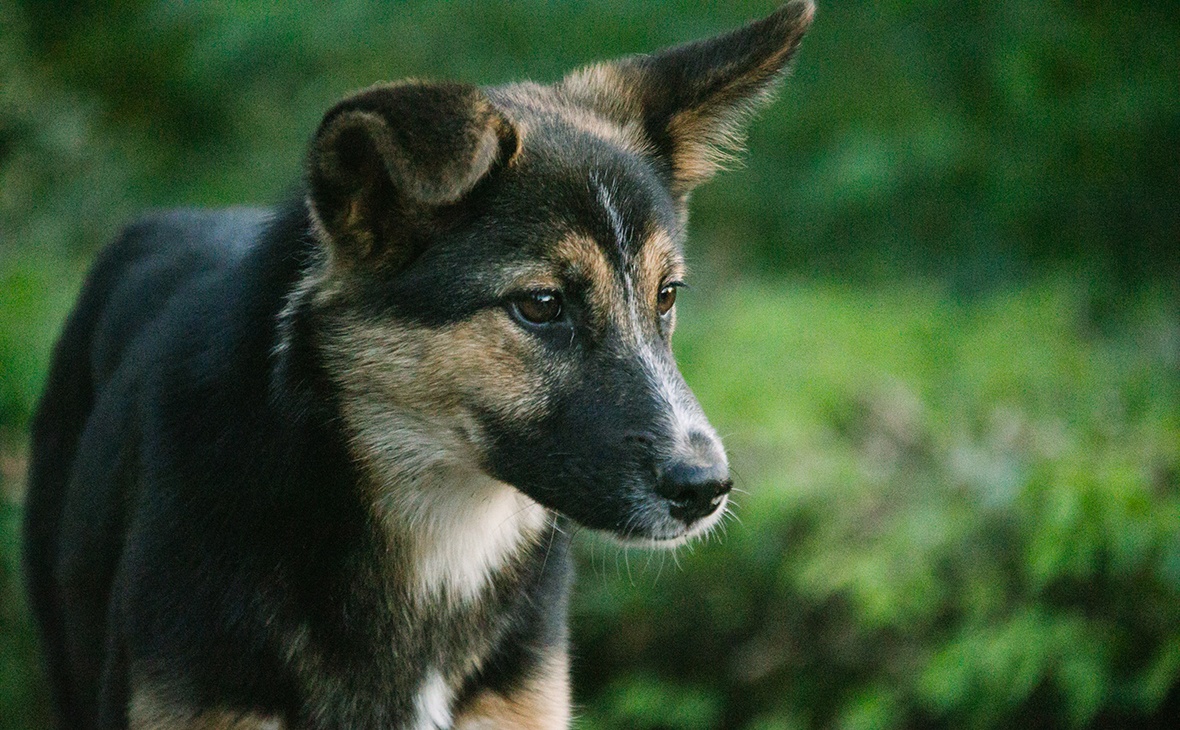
386	159
689	101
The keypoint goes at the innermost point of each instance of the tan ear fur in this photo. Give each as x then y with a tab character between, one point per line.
692	100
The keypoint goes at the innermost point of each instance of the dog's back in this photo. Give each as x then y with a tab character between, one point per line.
69	571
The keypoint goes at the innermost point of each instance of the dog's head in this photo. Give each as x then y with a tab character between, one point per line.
500	274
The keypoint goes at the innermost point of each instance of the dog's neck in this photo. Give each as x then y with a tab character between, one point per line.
459	527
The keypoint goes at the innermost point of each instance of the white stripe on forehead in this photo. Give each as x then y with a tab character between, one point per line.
633	325
616	220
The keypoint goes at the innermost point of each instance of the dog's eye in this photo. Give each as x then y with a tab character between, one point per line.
667	297
541	307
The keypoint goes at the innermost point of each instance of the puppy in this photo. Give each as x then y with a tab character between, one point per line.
308	467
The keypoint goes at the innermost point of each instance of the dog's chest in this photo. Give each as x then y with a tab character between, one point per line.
446	581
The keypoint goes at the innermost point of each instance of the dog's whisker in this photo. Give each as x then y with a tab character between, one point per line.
660	570
549	548
731	511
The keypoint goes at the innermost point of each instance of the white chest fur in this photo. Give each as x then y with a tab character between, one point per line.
461	527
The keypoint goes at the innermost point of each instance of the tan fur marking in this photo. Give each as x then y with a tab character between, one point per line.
659	262
707	136
605	88
710	137
703	150
707	140
543	703
482	361
150	710
582	257
482	356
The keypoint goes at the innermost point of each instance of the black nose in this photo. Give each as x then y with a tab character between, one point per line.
695	490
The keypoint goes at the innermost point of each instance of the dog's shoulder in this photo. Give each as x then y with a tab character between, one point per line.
157	260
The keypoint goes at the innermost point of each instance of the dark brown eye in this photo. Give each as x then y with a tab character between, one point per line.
666	299
540	307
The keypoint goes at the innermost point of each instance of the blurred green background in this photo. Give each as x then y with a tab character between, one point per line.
936	316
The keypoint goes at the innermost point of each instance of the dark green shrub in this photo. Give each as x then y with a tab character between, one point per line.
958	516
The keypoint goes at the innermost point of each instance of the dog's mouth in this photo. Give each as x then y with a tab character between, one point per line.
663	523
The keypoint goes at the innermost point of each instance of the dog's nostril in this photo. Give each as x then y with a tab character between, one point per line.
693	490
711	491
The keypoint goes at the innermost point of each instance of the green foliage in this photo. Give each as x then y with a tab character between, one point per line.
35	294
959	139
22	693
958	515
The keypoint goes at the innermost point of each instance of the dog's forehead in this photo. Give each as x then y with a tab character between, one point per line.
579	175
604	230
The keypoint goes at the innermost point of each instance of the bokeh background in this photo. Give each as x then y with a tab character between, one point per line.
936	316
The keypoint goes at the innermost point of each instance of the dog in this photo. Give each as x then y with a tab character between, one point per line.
315	467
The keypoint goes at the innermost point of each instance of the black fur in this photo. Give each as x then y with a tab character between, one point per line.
201	519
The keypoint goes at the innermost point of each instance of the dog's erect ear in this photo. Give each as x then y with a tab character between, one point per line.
690	101
385	159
